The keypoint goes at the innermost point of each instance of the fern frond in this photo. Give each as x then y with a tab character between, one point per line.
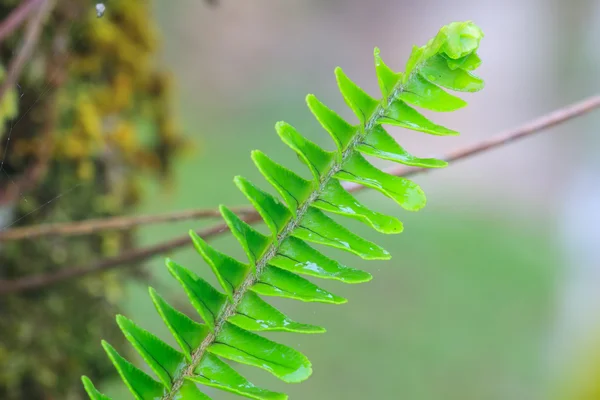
274	261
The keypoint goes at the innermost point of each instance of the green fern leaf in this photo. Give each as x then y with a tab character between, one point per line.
187	332
276	261
278	282
255	314
316	159
272	211
142	386
252	241
216	373
295	255
91	390
239	345
162	358
207	300
381	145
335	199
294	189
189	391
229	271
386	77
340	131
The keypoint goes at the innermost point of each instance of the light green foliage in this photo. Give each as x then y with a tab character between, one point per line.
275	260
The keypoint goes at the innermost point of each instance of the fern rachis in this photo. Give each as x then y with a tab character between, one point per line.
229	318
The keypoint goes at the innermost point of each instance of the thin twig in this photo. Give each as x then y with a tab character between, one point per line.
127	258
32	35
121	223
539	124
36	168
47	279
92	226
17	17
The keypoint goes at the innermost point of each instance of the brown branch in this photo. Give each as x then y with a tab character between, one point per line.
127	258
122	223
17	17
539	124
47	279
32	35
92	226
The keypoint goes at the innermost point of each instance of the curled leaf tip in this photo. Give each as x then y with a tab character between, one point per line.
462	38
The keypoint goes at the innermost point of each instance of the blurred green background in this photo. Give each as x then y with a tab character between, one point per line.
478	301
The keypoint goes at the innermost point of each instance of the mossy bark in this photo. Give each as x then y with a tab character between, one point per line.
92	114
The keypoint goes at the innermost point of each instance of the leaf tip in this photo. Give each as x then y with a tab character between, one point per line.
87	383
192	233
91	390
300	374
257	155
382	254
152	292
107	347
311	101
226	213
339	75
171	266
239	180
122	321
280	125
367	278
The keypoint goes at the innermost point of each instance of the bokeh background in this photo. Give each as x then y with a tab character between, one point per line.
493	291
